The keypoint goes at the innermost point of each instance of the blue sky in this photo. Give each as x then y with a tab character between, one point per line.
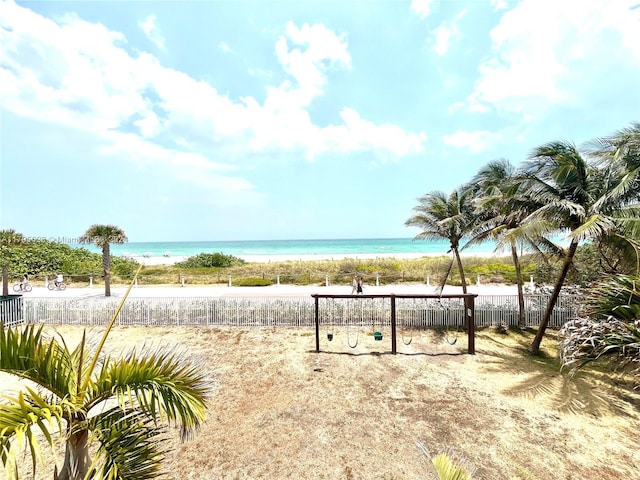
240	120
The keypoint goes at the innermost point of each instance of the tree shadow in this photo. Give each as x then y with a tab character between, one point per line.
590	391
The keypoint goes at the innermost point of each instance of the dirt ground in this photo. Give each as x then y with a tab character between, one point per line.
279	410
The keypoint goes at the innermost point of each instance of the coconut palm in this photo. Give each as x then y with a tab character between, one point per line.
118	404
619	154
500	210
574	197
444	217
103	236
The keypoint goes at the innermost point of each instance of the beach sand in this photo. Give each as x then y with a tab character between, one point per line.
172	260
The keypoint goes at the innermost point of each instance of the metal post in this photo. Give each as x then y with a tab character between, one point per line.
393	325
317	325
5	280
470	312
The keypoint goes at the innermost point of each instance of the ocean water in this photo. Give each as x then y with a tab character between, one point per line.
376	246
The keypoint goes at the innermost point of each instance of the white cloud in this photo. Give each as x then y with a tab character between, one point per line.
421	7
446	33
150	28
499	4
76	74
443	36
476	141
546	53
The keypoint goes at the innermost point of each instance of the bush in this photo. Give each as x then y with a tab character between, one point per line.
252	282
209	260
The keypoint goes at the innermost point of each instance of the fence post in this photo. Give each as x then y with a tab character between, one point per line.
230	280
278	280
91	281
182	280
428	281
478	279
531	284
377	279
326	280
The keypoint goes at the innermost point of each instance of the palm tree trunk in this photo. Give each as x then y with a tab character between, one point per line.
106	265
518	268
535	345
76	457
461	270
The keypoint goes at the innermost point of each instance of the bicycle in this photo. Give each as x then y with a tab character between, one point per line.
56	286
22	287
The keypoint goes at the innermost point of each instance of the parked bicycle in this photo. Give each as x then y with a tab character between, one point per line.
56	285
22	287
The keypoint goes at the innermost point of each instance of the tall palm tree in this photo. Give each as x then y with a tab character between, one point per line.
500	211
574	198
87	398
103	236
444	217
619	155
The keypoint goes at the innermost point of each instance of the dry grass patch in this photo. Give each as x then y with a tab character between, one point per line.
281	411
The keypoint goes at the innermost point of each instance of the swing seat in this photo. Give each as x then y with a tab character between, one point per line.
329	336
377	336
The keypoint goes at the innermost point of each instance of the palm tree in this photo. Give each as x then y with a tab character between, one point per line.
87	398
620	155
103	236
499	211
575	198
444	217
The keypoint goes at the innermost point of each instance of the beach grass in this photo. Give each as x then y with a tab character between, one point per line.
432	269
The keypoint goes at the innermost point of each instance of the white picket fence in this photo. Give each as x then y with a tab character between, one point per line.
490	310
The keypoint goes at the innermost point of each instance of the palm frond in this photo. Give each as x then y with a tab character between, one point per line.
21	418
160	383
130	446
27	353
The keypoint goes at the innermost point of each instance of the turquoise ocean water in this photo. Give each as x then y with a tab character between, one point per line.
377	246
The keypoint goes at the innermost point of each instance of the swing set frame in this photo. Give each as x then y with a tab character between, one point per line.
469	319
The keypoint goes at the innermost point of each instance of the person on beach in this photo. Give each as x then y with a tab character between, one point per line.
360	286
354	285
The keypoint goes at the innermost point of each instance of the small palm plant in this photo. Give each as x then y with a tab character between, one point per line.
117	404
611	327
445	467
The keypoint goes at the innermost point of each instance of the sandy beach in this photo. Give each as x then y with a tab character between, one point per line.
173	259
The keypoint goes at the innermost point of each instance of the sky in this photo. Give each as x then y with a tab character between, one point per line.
290	119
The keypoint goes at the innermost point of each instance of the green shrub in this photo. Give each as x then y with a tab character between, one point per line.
251	282
211	260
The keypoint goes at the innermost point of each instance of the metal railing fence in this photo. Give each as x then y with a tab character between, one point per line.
490	310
